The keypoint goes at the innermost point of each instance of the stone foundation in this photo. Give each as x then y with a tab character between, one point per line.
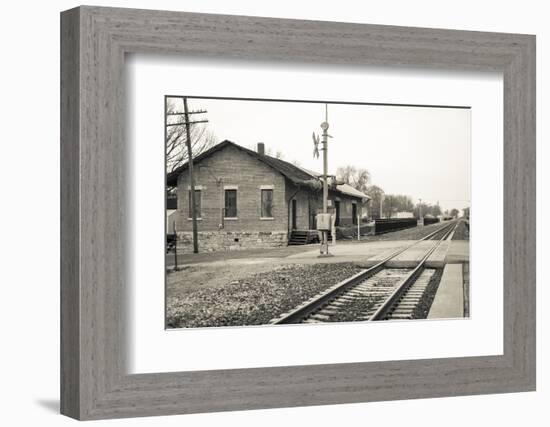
214	241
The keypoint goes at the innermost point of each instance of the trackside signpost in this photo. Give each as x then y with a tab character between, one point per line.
324	223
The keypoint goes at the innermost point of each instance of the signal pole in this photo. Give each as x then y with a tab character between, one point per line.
188	143
325	136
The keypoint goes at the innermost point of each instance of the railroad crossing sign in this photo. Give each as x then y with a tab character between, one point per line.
315	145
324	127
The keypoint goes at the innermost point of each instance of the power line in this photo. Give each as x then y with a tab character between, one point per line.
187	123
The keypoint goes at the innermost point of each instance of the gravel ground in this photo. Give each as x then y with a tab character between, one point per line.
422	309
254	299
186	259
466	275
239	254
462	231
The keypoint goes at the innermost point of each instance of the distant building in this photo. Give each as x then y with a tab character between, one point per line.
404	215
247	199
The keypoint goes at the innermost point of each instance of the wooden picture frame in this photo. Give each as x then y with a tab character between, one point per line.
94	41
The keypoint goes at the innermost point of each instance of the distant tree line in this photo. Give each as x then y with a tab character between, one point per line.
423	209
391	204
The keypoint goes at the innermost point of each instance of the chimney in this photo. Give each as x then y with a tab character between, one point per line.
261	148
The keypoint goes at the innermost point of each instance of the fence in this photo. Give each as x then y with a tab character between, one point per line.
430	220
385	225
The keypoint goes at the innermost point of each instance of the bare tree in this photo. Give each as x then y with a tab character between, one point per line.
356	177
176	151
435	210
375	193
397	203
427	209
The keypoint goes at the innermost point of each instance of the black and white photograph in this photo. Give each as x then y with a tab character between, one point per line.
260	213
306	212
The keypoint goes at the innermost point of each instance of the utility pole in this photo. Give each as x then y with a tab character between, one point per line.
324	215
191	177
420	209
188	143
381	204
175	247
324	127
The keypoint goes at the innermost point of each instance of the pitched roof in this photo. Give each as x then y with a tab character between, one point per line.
290	171
351	191
342	188
296	174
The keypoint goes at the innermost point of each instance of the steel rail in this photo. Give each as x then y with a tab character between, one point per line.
311	306
387	306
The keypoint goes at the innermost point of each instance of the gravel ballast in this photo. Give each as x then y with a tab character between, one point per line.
255	299
423	308
462	231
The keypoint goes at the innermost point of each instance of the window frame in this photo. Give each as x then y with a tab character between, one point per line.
227	188
262	189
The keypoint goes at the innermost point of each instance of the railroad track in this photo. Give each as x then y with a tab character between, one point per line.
377	293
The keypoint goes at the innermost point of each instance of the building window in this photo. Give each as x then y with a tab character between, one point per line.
198	204
337	209
231	203
267	203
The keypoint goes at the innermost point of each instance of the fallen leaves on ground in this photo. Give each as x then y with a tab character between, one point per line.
256	299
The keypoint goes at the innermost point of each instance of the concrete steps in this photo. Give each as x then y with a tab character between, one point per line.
303	237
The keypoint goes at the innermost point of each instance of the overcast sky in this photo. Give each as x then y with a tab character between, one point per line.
417	151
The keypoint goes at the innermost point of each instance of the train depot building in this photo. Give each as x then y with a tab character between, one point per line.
247	199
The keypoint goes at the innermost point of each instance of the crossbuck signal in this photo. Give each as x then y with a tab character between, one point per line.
315	145
324	217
